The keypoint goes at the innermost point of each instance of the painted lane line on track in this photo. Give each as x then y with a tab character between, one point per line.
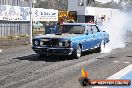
126	62
121	73
0	50
116	61
118	75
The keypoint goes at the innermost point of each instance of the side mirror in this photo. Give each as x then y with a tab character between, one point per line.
86	33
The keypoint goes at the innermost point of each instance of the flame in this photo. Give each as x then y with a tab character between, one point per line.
84	73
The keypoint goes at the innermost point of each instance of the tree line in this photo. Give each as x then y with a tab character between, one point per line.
63	4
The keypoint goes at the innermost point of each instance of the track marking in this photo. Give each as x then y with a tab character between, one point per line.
126	62
118	75
116	61
0	50
121	73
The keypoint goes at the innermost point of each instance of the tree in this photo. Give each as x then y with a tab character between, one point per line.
52	4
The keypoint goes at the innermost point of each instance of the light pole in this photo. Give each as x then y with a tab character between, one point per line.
32	2
31	31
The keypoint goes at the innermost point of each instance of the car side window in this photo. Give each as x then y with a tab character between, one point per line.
77	29
95	29
88	30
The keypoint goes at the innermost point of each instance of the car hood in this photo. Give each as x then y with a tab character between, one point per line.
67	36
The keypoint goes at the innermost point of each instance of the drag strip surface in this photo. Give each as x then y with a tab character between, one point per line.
22	68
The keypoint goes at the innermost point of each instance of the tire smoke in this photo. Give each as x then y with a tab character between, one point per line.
117	28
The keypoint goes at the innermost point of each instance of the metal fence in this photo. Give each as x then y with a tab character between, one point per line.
15	2
8	28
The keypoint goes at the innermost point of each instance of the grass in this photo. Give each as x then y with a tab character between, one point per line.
13	37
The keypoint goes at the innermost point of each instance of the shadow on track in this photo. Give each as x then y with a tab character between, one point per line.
35	57
49	58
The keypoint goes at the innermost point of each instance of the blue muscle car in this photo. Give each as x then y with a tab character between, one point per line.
71	39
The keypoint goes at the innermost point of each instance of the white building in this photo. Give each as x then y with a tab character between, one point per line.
85	12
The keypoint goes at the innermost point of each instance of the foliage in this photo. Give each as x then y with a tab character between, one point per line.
63	4
13	37
52	4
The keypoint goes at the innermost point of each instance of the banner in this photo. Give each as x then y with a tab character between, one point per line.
16	13
4	12
49	15
24	14
36	14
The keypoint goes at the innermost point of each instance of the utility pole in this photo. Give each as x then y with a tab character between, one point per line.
31	31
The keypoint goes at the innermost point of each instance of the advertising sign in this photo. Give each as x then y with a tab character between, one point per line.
24	14
36	13
49	15
3	12
16	13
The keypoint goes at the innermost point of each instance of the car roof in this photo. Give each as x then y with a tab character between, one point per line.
78	24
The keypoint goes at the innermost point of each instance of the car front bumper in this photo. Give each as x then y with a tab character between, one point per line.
52	51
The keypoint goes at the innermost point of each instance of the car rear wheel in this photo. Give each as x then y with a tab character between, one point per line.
78	52
100	48
97	50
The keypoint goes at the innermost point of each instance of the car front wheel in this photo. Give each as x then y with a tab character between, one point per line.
78	52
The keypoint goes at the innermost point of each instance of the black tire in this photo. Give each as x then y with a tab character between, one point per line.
100	48
97	50
77	53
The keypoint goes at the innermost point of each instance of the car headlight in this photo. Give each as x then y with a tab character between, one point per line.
67	43
64	43
36	42
60	43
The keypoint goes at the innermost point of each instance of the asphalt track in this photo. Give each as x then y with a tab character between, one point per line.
20	67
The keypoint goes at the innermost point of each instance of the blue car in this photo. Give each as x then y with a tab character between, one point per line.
71	39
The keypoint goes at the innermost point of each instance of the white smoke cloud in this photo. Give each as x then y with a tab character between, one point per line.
117	28
129	21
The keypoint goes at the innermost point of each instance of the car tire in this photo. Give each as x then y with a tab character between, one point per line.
97	50
102	46
78	52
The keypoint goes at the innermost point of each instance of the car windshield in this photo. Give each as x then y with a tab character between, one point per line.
71	29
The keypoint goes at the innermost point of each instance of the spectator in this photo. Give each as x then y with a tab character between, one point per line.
91	21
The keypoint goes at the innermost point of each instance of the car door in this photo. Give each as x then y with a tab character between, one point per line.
89	37
96	36
80	37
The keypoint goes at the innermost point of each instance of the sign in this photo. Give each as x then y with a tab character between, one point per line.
16	13
13	13
36	14
24	14
49	15
3	12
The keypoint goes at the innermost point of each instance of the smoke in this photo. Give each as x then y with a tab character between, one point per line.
117	28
